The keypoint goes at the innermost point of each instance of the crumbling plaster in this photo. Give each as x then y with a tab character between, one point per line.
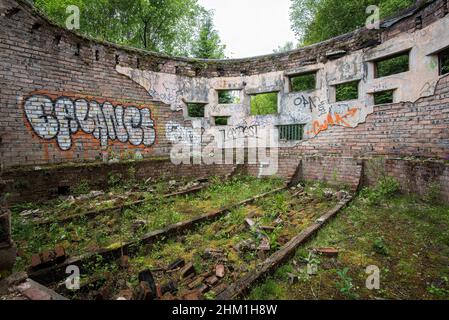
316	109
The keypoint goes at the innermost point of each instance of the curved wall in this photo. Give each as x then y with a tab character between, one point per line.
65	98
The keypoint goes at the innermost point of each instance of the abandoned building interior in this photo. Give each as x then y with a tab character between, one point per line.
109	173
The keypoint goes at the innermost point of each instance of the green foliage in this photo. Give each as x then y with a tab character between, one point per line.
347	91
208	45
386	188
383	97
442	291
433	193
444	62
264	103
228	96
114	179
392	66
317	20
81	188
304	82
345	284
221	121
380	247
169	26
195	110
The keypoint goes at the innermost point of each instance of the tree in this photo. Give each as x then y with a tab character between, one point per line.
168	26
317	20
208	45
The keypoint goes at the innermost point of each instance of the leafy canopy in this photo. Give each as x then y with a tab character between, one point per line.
173	27
318	20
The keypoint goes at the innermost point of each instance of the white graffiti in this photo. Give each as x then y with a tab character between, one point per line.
65	117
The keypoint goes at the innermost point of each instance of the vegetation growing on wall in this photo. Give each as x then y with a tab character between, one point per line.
264	103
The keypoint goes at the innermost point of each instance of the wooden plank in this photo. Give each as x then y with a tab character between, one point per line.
240	287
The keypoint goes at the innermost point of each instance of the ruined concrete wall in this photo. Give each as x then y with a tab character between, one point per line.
65	98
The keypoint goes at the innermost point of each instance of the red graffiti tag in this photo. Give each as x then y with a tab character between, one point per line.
335	120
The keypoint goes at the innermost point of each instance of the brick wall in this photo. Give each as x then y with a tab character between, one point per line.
34	185
40	62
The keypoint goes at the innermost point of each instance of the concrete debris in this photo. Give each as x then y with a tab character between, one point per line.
34	213
250	222
292	278
264	245
212	280
342	195
138	224
245	245
90	195
329	193
213	253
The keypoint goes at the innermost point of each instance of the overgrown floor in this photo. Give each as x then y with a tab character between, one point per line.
406	238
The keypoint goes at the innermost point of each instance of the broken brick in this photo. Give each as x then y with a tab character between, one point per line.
203	288
60	254
187	270
35	260
170	287
220	271
144	292
47	256
123	262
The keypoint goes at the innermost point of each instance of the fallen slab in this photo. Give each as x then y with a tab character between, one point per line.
241	287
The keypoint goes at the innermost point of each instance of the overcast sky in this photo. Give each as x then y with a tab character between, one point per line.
251	27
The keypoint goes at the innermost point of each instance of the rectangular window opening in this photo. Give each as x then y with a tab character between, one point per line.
383	97
303	82
229	96
443	58
291	132
195	110
392	65
264	103
347	91
221	121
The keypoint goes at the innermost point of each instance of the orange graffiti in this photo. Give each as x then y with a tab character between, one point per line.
336	120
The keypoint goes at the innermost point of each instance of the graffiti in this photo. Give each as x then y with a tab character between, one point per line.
178	134
333	120
241	132
304	103
65	117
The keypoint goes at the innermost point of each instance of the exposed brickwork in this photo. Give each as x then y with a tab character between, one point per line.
29	184
38	58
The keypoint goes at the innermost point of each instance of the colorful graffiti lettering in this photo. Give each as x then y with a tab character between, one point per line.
332	120
64	117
